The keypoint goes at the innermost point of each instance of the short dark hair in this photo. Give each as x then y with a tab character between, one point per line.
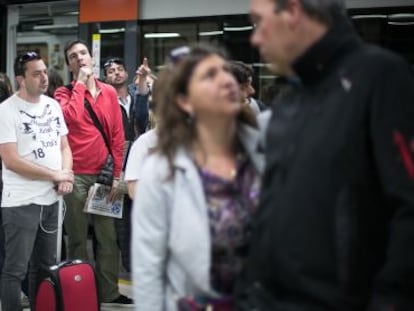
113	60
21	61
55	81
70	44
241	71
325	11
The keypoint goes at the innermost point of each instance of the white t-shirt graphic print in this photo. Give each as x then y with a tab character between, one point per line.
37	130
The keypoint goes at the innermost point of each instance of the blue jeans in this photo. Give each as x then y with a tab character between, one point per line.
30	236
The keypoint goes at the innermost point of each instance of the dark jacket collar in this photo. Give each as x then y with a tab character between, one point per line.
325	53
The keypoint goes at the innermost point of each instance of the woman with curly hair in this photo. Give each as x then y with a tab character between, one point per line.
198	189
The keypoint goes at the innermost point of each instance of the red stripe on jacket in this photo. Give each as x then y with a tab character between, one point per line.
405	153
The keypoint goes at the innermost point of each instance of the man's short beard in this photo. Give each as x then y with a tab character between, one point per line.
119	84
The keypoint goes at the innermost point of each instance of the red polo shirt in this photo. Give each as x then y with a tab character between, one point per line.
88	146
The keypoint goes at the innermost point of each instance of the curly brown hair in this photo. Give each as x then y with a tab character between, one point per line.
176	127
6	89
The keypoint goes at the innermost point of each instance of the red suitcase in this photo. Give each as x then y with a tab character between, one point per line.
69	285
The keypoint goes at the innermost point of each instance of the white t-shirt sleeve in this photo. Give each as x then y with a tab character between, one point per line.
136	157
138	153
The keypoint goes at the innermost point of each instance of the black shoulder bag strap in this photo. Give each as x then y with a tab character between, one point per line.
97	124
95	119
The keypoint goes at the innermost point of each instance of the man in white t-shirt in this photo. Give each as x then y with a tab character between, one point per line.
37	167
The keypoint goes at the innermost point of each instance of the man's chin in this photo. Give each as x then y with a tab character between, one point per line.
274	68
118	84
280	70
270	63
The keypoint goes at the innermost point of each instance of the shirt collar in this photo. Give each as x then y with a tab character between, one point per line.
126	102
325	53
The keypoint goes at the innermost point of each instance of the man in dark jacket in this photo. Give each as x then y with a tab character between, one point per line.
132	99
335	229
133	102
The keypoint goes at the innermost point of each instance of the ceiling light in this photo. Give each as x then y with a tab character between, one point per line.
401	23
112	30
161	35
368	16
259	65
401	19
242	28
210	33
57	26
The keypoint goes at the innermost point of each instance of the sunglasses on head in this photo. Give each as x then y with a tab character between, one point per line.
111	61
177	54
28	56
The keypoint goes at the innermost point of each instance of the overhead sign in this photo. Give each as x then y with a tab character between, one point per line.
107	10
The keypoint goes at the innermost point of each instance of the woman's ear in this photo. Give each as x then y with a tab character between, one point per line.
184	103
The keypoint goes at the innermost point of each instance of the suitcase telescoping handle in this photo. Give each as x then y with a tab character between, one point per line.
59	230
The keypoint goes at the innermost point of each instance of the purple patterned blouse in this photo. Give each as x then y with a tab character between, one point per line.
231	204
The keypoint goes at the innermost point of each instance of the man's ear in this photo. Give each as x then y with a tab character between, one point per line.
292	11
20	81
184	103
70	69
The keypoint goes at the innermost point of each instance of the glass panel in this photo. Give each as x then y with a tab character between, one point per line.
237	31
3	25
46	27
231	32
210	32
399	36
112	40
157	40
394	31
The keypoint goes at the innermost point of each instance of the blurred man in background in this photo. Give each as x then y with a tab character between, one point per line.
335	228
